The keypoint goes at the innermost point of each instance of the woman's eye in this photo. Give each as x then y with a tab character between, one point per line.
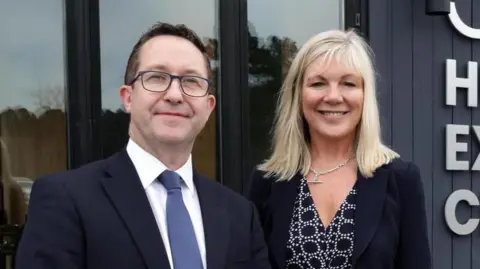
317	84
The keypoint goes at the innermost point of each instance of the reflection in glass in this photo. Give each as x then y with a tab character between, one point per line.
273	43
121	24
33	138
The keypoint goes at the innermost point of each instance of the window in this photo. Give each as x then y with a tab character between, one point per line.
33	139
273	43
121	24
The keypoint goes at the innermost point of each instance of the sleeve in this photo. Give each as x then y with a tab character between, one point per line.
414	250
52	236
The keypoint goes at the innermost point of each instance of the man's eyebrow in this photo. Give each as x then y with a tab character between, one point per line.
160	67
163	68
192	72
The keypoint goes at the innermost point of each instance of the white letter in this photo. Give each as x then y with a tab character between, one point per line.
454	82
466	30
451	206
452	130
476	164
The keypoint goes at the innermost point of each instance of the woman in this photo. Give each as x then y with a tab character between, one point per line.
332	195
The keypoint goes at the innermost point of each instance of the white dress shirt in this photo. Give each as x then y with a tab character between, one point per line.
148	169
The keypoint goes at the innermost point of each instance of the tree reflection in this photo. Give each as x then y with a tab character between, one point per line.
268	64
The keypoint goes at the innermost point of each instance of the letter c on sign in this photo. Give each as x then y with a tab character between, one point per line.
460	25
451	206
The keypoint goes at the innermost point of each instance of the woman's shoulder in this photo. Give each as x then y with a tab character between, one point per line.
259	189
407	175
403	168
261	180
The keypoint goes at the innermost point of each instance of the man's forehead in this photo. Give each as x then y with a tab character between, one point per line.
164	53
169	42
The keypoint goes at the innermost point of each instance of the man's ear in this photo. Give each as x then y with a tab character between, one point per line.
126	96
211	103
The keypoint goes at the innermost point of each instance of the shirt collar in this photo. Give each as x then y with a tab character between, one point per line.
149	168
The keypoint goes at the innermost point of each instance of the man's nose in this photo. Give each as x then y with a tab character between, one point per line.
174	93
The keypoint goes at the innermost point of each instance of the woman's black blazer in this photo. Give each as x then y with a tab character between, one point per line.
390	219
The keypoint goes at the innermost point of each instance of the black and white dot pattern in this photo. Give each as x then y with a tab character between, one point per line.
312	246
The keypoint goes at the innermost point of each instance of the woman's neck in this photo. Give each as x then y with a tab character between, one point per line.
327	153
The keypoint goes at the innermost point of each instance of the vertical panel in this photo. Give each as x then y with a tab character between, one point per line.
402	106
475	147
423	103
380	36
247	163
461	115
442	115
83	73
231	95
356	15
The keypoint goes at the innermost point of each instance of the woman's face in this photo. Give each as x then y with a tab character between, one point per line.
332	99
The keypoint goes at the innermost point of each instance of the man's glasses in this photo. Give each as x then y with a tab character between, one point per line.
156	81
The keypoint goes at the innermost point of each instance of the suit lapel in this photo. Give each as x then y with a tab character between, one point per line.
215	223
126	193
370	201
283	198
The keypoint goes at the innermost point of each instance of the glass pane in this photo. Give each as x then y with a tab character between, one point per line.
32	119
121	24
33	139
273	42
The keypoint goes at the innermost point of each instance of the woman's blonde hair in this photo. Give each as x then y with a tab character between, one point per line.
291	145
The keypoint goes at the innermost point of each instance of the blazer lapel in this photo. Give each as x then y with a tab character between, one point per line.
370	200
282	201
126	193
215	223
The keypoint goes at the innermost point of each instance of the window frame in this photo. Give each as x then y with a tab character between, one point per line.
83	81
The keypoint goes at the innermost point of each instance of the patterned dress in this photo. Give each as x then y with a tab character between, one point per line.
312	246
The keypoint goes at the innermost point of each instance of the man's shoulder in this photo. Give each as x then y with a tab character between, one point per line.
75	177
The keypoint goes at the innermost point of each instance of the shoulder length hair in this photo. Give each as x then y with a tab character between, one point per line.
291	143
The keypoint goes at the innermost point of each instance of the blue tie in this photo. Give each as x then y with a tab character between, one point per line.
183	243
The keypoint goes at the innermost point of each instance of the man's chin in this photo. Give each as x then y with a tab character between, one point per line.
172	138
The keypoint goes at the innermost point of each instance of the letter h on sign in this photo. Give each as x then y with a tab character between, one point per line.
470	83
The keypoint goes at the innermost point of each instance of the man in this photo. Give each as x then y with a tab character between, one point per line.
146	207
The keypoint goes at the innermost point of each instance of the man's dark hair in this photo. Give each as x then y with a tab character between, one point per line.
160	29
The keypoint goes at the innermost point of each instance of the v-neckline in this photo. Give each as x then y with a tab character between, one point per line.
310	197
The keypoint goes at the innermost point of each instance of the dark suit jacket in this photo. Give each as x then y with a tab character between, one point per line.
99	217
390	219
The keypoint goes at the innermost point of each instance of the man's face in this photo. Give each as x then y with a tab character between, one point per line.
170	117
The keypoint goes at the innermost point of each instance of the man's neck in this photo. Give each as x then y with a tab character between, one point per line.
172	156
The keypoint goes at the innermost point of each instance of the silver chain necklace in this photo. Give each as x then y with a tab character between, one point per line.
317	174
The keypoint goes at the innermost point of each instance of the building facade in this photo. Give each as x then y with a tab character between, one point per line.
62	62
428	94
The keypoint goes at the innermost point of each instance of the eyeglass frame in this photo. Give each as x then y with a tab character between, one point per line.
172	77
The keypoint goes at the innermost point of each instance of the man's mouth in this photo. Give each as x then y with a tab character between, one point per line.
172	114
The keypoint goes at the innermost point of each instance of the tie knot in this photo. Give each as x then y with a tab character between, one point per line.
170	179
